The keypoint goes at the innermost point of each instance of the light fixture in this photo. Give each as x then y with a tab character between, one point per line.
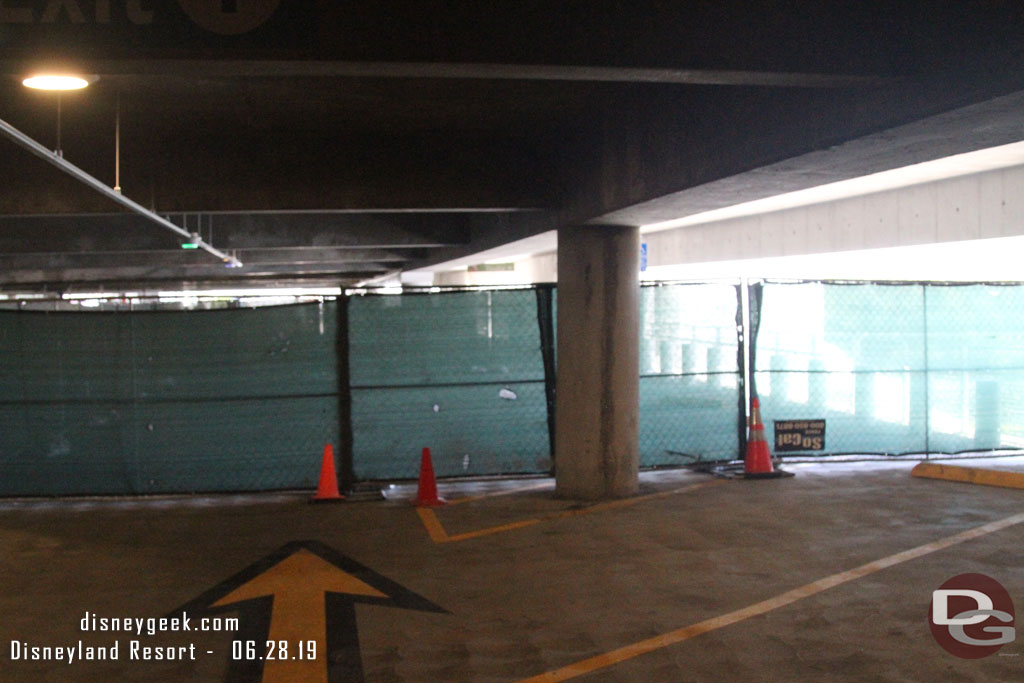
57	82
192	242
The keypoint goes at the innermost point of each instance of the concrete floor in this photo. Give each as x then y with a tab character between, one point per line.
528	584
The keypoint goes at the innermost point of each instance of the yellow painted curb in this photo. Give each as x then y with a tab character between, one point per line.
969	475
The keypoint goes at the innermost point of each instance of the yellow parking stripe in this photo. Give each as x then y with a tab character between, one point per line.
434	528
674	637
438	534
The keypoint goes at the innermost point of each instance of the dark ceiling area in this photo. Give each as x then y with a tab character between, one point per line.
337	143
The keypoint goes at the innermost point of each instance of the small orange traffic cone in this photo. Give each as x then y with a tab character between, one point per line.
426	492
758	462
327	490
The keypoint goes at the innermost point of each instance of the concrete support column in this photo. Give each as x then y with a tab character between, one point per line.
671	357
986	415
817	389
650	356
596	437
864	395
650	363
919	404
714	356
780	380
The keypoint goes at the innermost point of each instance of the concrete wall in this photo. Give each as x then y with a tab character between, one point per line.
979	206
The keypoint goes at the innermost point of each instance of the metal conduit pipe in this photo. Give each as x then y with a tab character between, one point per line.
54	158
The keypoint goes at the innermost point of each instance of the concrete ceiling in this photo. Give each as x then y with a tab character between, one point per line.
330	143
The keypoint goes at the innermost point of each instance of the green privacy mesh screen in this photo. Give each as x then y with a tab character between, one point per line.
245	399
894	368
689	374
166	401
458	372
852	355
463	373
975	367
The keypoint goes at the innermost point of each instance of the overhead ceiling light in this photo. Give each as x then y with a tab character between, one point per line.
56	82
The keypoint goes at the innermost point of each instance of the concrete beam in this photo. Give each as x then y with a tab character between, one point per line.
217	155
694	152
472	71
192	273
982	125
124	232
734	34
299	256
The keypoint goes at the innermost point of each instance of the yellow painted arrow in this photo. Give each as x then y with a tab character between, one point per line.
299	584
302	593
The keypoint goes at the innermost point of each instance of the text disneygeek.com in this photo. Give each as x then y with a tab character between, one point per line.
127	649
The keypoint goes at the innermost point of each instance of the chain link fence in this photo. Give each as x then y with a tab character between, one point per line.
690	384
471	375
245	399
156	402
459	372
894	368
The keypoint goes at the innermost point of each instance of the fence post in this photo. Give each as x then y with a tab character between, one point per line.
346	469
546	327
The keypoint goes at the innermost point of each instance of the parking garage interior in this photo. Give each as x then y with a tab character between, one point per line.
498	287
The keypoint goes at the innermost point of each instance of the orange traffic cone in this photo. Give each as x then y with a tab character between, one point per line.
758	462
327	490
426	493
